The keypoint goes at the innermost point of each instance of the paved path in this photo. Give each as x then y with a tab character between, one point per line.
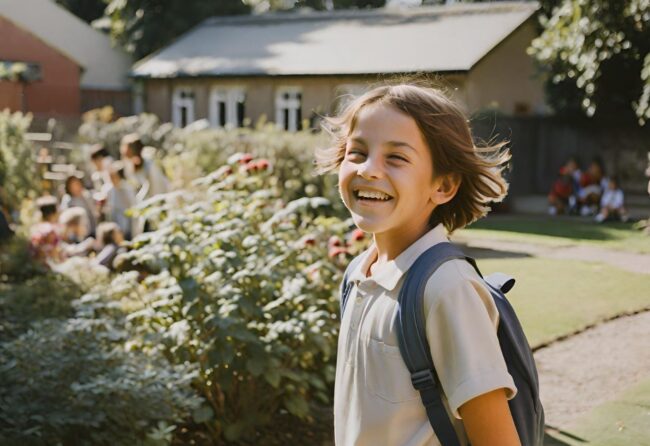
590	368
637	263
581	372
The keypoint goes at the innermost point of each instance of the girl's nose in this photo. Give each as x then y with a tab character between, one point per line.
370	168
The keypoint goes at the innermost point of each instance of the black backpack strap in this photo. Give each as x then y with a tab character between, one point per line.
346	285
412	337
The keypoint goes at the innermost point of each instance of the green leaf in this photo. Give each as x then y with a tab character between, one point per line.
296	405
256	365
233	432
202	414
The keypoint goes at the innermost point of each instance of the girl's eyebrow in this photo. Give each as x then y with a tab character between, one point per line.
389	143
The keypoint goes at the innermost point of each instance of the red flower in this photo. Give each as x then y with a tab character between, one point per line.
337	250
250	166
245	158
263	164
309	240
357	235
333	242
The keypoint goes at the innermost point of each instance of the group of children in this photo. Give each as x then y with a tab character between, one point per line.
587	193
91	219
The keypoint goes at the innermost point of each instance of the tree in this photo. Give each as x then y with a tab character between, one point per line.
86	10
596	56
144	26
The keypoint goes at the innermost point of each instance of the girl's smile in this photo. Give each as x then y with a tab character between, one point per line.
386	176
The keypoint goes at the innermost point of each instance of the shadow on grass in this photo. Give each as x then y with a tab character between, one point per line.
567	227
558	437
485	253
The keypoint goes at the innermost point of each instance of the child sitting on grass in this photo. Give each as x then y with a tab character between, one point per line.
409	173
611	203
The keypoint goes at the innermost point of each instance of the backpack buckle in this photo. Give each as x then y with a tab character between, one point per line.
423	379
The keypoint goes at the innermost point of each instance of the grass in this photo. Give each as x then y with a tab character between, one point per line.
555	298
560	231
623	421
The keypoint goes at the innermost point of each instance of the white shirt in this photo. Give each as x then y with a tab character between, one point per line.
612	199
374	401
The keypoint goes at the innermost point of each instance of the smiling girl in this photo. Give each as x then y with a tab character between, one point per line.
410	174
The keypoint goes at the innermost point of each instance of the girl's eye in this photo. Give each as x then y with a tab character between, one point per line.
355	152
398	157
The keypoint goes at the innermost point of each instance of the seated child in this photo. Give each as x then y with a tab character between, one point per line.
75	240
592	185
76	195
110	239
563	195
45	235
611	204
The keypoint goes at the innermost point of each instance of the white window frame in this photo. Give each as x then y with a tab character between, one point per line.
231	97
183	97
293	104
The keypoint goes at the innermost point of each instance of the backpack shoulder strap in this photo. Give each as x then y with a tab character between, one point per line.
412	338
346	285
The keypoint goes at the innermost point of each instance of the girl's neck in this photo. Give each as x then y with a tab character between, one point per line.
391	244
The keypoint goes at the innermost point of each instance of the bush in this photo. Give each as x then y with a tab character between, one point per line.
238	283
30	292
72	382
18	173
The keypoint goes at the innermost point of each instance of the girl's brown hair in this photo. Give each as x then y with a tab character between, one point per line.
447	134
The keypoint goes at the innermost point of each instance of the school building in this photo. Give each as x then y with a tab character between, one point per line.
293	66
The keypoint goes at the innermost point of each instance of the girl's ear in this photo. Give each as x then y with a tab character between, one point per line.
445	188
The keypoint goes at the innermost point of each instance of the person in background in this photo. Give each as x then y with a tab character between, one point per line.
120	196
592	185
150	178
611	203
75	231
562	191
76	195
45	240
100	160
110	239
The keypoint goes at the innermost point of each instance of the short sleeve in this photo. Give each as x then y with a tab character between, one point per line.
462	320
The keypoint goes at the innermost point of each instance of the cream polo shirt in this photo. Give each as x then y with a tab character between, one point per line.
374	401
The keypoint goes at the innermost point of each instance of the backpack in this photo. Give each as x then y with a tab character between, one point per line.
526	407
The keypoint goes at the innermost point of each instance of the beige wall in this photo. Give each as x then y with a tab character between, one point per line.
505	78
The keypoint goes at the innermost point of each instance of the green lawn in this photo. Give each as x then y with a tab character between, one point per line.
625	421
559	231
554	298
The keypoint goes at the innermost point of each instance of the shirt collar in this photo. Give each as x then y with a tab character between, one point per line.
388	275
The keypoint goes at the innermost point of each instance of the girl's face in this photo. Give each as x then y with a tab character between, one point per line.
386	176
76	188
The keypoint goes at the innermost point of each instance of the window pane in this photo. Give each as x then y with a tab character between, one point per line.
183	116
222	113
299	118
240	114
285	111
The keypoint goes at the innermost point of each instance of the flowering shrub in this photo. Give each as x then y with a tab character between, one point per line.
239	283
196	150
18	176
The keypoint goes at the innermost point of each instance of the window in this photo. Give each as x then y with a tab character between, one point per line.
227	107
288	109
183	107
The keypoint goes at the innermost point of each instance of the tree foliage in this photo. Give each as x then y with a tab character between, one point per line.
143	26
599	49
86	10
